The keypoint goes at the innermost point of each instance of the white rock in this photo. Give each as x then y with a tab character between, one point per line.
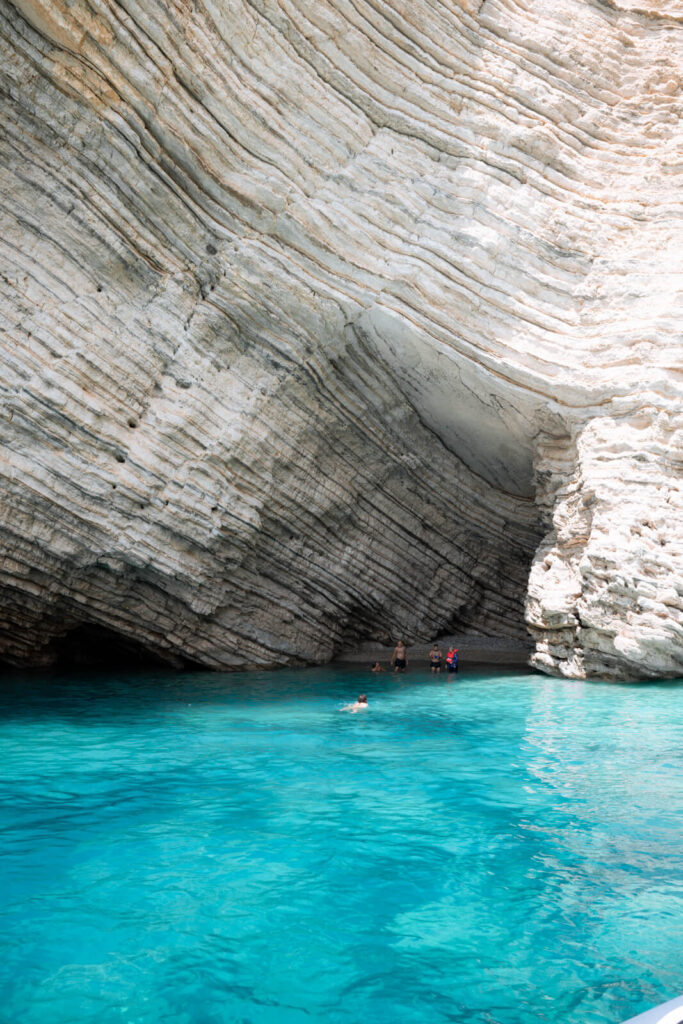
315	317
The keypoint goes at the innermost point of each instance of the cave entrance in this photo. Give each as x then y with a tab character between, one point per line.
96	647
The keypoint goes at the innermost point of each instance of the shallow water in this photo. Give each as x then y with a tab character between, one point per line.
202	849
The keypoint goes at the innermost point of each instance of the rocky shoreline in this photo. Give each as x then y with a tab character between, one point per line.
472	649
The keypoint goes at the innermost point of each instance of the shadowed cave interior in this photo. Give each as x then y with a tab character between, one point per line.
90	646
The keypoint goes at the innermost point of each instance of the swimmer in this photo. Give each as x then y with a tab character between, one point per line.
360	705
377	667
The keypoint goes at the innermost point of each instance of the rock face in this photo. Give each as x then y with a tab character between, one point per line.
316	317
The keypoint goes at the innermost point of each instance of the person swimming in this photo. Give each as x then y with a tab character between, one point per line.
377	667
360	705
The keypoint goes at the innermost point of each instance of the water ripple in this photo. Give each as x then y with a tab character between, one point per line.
202	849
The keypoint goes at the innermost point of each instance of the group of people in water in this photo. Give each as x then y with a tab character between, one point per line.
399	659
399	663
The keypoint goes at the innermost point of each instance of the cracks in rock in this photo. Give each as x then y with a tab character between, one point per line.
641	12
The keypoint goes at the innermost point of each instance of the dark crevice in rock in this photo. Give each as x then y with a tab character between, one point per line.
96	647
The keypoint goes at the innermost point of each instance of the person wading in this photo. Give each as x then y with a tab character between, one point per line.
399	658
452	660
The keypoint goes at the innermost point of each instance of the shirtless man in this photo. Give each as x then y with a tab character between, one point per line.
435	658
399	659
360	705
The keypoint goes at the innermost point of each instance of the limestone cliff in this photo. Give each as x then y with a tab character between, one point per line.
316	316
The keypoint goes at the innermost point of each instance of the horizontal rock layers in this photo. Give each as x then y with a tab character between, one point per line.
316	317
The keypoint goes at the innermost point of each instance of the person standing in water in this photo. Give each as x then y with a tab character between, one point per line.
452	661
435	658
399	658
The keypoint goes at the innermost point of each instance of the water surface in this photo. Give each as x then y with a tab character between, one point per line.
212	849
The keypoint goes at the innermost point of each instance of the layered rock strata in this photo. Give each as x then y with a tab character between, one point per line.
317	316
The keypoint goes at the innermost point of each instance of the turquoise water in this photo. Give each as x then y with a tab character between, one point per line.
210	849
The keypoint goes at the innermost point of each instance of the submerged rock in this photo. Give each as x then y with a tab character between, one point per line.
316	318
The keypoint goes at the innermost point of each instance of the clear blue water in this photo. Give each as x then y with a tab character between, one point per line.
209	849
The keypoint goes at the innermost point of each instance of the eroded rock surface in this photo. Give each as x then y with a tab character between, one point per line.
316	317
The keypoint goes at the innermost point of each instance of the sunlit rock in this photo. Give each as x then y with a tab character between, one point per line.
316	317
